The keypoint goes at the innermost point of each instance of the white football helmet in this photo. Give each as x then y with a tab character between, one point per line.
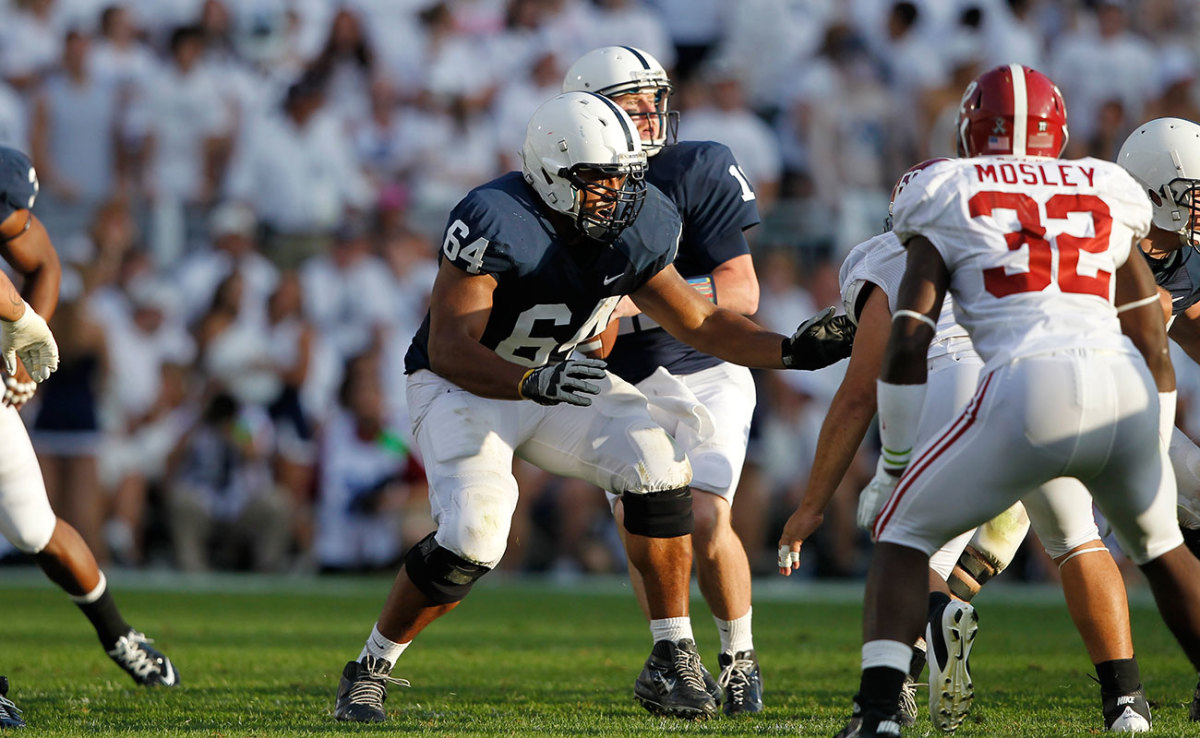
1164	157
620	70
575	139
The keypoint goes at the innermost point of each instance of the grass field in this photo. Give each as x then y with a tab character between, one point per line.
261	657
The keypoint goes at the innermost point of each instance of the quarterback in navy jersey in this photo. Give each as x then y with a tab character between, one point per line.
717	205
532	264
1163	155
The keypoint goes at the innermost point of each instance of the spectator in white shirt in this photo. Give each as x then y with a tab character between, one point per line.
119	55
74	141
1093	68
186	122
727	120
630	23
348	293
347	61
32	42
234	231
297	170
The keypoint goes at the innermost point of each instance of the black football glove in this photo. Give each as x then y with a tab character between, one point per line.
821	340
563	382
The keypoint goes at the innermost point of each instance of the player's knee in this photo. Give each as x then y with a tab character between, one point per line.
711	513
972	571
442	575
30	537
665	514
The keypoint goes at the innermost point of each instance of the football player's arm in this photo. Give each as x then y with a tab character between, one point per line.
1140	312
901	387
735	284
32	255
459	307
691	318
844	426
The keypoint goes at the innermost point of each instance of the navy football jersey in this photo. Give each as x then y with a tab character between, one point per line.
1179	274
715	200
553	292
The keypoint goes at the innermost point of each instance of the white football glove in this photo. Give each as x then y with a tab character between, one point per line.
29	337
874	496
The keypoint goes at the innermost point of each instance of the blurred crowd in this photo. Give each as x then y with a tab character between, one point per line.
248	197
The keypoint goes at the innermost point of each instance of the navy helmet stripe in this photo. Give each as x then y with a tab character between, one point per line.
636	53
621	119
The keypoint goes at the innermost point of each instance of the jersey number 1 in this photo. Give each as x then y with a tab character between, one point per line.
1033	234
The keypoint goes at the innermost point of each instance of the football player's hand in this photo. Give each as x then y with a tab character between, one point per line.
18	388
29	338
800	526
821	340
873	498
565	381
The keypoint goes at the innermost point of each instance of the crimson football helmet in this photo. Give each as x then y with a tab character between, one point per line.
1012	109
905	178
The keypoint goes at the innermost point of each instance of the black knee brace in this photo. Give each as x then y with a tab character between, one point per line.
441	574
664	514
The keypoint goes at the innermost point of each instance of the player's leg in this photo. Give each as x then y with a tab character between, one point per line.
467	447
727	392
616	445
1061	513
29	524
1134	487
930	506
1185	461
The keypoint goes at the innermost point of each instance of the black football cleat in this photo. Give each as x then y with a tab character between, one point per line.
672	684
1194	708
742	682
1126	713
870	725
147	666
363	689
10	715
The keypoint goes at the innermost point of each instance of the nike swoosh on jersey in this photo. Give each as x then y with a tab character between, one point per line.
613	278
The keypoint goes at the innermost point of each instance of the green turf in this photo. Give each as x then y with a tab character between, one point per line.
262	657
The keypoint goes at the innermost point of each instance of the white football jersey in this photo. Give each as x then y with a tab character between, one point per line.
880	261
1032	245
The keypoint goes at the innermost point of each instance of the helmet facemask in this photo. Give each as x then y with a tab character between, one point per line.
1177	199
601	210
663	122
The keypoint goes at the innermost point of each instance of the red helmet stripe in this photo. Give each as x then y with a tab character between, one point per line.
1020	109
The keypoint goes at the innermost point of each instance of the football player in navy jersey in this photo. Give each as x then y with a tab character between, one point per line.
533	263
716	203
26	518
1163	155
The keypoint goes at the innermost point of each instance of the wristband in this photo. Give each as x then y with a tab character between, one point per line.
705	286
1166	416
521	384
899	418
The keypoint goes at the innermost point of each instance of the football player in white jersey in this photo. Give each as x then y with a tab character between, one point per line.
26	519
1035	251
1061	510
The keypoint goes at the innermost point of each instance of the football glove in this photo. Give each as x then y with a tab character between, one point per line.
565	381
874	496
821	340
29	337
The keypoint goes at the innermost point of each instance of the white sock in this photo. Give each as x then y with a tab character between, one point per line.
96	593
736	635
671	629
382	648
889	654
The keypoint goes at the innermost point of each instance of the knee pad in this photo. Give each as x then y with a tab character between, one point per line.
442	575
665	514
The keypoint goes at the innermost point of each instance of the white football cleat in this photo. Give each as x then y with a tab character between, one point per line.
949	636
